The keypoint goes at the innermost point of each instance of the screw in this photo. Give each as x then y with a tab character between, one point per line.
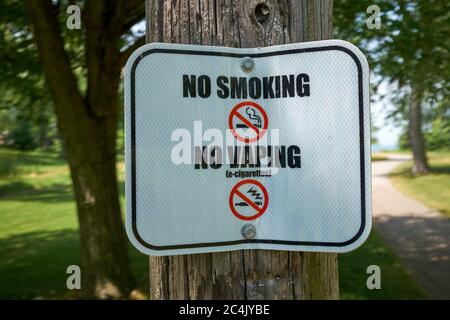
247	64
248	231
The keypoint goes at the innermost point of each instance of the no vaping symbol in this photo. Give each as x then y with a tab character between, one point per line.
248	199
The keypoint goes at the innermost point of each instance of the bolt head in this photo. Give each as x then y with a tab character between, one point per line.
247	64
248	231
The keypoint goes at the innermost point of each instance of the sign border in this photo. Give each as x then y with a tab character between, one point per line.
336	47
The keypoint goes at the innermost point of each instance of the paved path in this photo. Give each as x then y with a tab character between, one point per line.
419	235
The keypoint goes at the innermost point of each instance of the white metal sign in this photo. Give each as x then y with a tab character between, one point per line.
263	148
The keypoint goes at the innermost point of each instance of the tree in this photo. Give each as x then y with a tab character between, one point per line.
84	90
411	49
420	162
248	274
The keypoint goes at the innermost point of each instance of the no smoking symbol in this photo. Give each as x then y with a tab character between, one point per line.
248	199
251	116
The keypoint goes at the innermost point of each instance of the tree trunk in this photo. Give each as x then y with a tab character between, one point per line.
248	274
88	127
420	163
103	242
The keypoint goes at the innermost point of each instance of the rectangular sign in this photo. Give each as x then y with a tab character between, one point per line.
262	148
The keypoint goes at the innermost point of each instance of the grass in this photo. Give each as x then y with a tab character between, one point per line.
396	283
8	165
39	230
432	189
39	239
378	157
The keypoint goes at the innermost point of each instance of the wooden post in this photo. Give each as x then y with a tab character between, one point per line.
247	274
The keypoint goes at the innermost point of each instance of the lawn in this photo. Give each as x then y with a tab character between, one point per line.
39	237
432	189
39	230
379	157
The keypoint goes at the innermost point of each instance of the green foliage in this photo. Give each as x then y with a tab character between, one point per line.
24	98
412	44
403	139
120	144
22	137
437	130
26	125
24	93
411	48
439	135
373	130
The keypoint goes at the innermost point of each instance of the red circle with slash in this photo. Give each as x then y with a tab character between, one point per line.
236	192
259	132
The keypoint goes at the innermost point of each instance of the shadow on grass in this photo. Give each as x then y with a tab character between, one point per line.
40	158
440	168
33	265
34	158
24	191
